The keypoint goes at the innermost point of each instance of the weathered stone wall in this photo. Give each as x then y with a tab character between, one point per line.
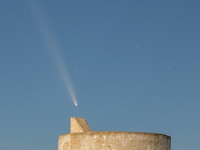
112	140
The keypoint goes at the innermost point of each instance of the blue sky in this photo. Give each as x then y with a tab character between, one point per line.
130	65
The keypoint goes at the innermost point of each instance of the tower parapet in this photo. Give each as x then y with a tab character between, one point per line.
83	138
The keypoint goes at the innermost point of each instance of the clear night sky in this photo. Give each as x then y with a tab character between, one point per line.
133	65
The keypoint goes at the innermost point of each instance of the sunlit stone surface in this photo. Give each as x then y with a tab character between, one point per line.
82	138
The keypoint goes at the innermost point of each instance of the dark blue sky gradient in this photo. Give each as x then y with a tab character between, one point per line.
134	66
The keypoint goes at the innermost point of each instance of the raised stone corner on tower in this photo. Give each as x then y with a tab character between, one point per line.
79	125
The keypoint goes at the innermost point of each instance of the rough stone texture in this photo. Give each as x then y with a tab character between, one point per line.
113	140
79	125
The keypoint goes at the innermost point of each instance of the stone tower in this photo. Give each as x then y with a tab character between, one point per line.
83	138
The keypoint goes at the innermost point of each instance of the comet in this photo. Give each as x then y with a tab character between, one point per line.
53	47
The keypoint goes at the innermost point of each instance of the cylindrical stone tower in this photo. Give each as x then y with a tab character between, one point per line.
82	138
